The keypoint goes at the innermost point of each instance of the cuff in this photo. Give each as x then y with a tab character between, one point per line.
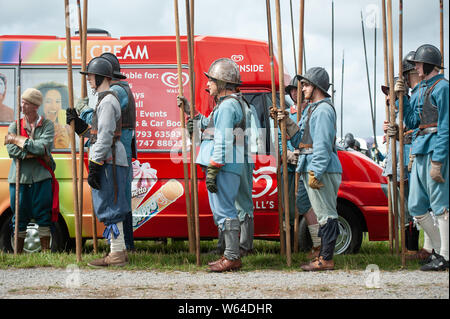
211	162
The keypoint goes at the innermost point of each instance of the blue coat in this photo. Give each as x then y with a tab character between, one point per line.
435	142
222	151
324	158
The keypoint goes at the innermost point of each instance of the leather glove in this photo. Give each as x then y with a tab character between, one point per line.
399	87
94	175
313	182
435	172
81	105
190	126
273	112
292	156
80	125
15	139
392	130
211	175
182	101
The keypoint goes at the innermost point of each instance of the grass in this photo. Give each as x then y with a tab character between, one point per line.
174	256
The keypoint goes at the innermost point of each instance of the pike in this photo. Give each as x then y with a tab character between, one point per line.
342	97
18	161
392	120
400	134
275	125
72	133
283	134
386	80
183	135
332	52
368	79
194	184
299	104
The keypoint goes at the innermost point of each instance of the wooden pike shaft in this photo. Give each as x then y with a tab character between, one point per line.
275	125
183	134
81	139
194	184
72	124
401	128
283	135
18	161
299	110
392	120
387	116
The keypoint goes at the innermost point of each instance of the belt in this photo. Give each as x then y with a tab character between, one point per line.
427	130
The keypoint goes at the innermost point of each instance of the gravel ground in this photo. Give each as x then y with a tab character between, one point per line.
73	283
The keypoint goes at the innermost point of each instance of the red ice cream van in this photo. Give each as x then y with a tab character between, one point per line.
158	189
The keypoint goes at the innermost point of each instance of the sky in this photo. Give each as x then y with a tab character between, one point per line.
247	19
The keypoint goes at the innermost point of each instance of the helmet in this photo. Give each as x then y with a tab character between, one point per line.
407	65
429	54
292	85
226	71
115	64
99	66
349	140
385	88
318	77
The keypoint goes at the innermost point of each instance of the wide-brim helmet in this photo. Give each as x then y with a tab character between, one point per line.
407	65
293	84
318	77
428	53
115	64
225	70
385	88
99	66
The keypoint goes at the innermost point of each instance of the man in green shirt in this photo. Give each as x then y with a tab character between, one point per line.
32	146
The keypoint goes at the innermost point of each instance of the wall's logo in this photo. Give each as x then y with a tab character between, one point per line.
171	79
237	58
263	174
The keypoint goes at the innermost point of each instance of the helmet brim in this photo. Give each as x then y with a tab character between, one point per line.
301	78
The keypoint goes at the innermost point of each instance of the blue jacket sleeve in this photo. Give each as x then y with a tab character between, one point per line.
441	97
323	132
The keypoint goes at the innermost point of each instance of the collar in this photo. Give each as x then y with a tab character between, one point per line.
433	79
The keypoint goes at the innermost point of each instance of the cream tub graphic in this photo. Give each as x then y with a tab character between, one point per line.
144	177
163	197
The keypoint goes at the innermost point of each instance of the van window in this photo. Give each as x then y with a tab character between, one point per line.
7	95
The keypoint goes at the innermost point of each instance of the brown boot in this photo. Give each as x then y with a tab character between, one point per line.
216	261
319	264
20	244
116	258
418	255
314	253
226	265
45	243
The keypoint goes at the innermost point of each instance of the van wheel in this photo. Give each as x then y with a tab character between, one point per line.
350	237
58	238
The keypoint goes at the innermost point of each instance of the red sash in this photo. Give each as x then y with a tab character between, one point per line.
55	184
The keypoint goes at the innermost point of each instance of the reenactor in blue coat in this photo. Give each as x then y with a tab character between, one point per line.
429	185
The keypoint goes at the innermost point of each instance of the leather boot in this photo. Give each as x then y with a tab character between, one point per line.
20	244
117	258
314	253
215	261
319	264
226	265
45	243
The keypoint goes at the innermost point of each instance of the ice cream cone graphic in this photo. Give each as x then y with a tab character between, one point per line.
163	197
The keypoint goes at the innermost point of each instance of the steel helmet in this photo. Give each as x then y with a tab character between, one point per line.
318	77
292	85
429	54
385	88
225	70
99	66
349	140
115	64
407	65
